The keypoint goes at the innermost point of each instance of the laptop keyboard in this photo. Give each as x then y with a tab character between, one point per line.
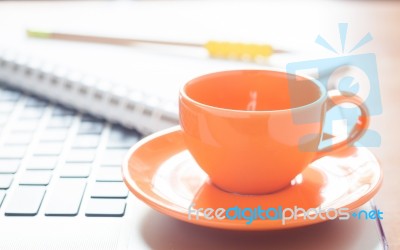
54	159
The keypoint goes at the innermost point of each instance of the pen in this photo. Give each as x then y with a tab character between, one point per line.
218	49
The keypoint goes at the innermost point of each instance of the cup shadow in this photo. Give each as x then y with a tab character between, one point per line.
161	232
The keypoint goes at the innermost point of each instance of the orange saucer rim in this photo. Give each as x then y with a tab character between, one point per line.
226	225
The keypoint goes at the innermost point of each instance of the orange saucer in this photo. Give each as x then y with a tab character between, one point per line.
160	171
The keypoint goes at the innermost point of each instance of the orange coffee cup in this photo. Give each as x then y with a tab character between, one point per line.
253	131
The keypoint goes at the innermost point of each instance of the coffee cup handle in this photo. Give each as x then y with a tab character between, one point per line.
335	98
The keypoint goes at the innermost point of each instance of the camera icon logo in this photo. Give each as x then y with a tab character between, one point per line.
350	74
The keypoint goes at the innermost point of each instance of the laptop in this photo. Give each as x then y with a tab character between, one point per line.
61	188
60	176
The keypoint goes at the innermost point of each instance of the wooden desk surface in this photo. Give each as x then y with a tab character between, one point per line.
286	23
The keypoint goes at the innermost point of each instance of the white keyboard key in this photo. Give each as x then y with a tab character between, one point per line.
121	137
76	170
86	141
25	125
60	122
106	207
32	101
9	95
21	138
42	162
113	157
9	166
48	148
25	201
36	177
62	111
109	174
90	127
109	190
81	155
54	135
6	180
31	113
12	152
66	197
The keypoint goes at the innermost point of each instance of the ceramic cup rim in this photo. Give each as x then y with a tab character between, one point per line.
322	91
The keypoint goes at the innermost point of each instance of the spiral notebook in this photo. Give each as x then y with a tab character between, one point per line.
142	96
136	87
115	103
